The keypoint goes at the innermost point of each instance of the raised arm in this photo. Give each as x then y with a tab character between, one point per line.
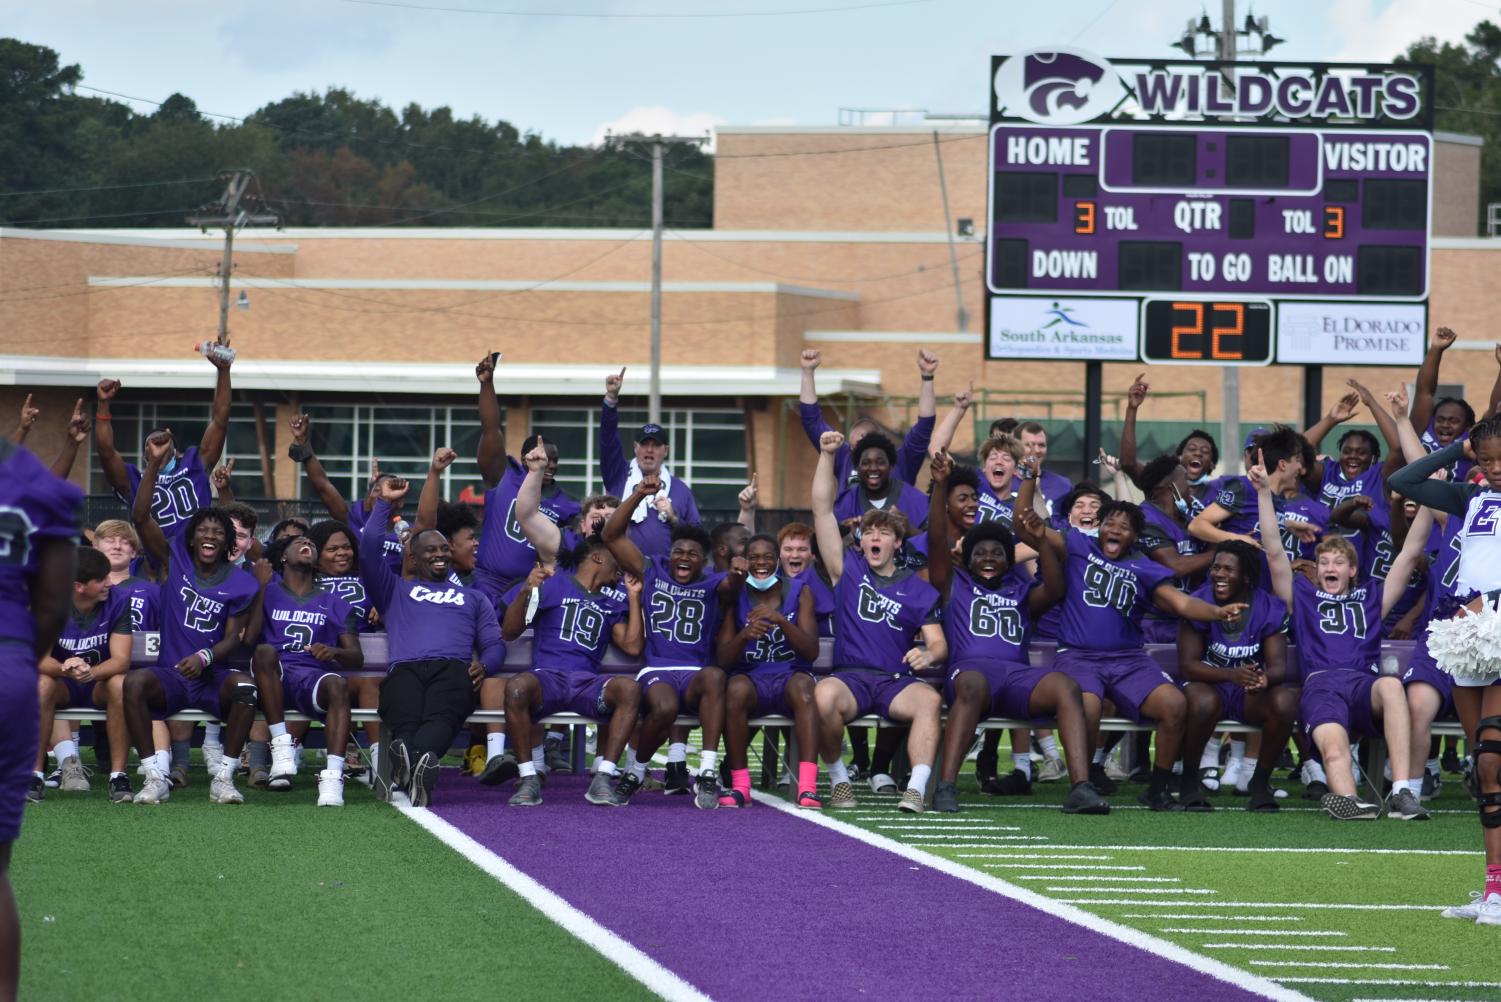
1026	500
544	535
158	448
224	492
920	438
432	490
1134	397
379	581
1032	530
28	418
78	433
301	451
1389	430
750	500
212	444
1342	411
1170	600
943	435
1278	564
615	534
1426	387
1406	561
1412	481
825	489
1494	404
613	468
630	633
940	552
492	437
110	462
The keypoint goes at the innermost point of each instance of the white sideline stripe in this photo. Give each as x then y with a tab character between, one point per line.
1113	880
1002	838
991	845
1204	916
946	827
1299	946
1285	809
1052	866
593	935
1341	964
1412	1000
1266	849
1051	906
1393	981
1249	932
1135	890
1026	855
1257	904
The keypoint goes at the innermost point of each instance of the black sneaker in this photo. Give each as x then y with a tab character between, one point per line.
424	778
1159	800
1433	784
401	763
677	782
528	792
985	766
1316	791
381	782
1450	762
1194	797
1013	784
1085	799
37	790
1263	799
628	785
1102	783
946	798
119	789
499	769
1403	806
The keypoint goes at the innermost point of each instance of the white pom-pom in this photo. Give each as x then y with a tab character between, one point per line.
1469	645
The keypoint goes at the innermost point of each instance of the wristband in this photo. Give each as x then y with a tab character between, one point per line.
299	453
1028	473
927	377
207	655
100	417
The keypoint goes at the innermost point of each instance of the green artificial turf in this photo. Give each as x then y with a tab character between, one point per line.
273	898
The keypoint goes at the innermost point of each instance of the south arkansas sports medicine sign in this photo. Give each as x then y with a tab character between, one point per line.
1198	198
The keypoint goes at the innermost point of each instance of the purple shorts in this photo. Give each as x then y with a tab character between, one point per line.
18	733
572	692
1128	678
771	687
1010	685
1423	669
299	688
80	694
679	678
874	690
1339	696
178	693
1232	698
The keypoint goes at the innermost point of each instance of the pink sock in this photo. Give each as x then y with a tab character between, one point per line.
807	776
740	780
1492	881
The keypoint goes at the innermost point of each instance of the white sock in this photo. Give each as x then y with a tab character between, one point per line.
1049	746
1432	765
630	759
527	769
336	764
638	770
374	753
38	775
707	761
229	764
1099	757
838	773
211	733
919	780
495	744
1413	786
1316	772
1211	757
553	739
604	765
677	752
65	750
163	761
538	762
277	730
1237	751
114	774
1022	763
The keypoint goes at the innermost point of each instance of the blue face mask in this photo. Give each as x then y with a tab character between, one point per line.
1180	503
762	584
170	465
1201	481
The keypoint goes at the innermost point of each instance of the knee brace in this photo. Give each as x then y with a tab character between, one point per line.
247	693
1489	804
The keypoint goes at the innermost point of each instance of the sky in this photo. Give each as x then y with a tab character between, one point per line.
571	69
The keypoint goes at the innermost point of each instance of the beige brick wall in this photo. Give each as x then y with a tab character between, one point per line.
1456	190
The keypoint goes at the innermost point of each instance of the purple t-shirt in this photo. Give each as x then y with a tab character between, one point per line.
351	590
1337	487
680	618
1238	645
195	610
178	493
1444	594
1377	549
652	535
824	603
1337	631
1459	470
143	598
429	620
87	635
505	556
988	625
853	502
34	506
1238	496
992	507
570	626
1104	599
293	623
772	650
909	457
877	617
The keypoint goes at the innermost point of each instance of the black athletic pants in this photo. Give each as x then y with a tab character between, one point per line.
425	703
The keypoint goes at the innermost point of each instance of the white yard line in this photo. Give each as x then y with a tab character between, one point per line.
1258	904
1266	850
1363	966
993	838
1392	981
1207	917
625	956
1298	946
1249	932
1132	890
1026	855
931	827
1052	866
1102	879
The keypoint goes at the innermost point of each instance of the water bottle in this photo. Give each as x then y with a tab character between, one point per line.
215	351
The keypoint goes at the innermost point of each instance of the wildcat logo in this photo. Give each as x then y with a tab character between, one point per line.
1057	87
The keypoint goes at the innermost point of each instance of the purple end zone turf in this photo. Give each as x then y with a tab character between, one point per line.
756	904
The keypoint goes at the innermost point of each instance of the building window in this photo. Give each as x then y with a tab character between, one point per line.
707	449
188	421
402	439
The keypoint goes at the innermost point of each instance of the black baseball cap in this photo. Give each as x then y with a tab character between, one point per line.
650	430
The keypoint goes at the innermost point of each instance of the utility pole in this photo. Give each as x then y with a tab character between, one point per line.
961	315
658	142
1230	386
232	211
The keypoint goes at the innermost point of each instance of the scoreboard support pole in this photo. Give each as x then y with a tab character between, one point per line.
1094	402
1313	395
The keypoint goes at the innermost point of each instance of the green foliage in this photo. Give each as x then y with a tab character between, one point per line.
321	160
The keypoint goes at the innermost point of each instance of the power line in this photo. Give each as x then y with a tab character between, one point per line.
74	285
645	16
106	187
1109	5
95	215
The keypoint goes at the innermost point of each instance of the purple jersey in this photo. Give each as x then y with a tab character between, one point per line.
1161	532
504	555
877	617
1459	470
87	635
988	625
909	457
772	650
429	620
1376	550
1444	594
1239	498
179	491
1238	644
293	623
993	508
570	626
34	506
824	603
390	552
680	618
1337	487
144	600
1104	599
1337	631
351	589
195	610
853	502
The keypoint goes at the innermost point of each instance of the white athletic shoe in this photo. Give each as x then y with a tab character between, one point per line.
882	783
296	757
221	788
330	788
213	754
1052	770
1238	773
1467	912
283	763
75	778
156	789
1490	911
1113	768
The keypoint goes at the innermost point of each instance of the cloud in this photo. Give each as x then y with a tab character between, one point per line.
1368	33
653	119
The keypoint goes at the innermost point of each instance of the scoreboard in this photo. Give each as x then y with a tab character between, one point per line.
1211	239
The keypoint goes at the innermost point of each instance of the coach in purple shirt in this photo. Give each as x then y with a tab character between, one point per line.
651	526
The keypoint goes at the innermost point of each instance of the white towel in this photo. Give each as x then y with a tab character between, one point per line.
633	477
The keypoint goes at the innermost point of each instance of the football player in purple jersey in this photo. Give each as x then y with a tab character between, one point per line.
1198	451
914	449
1358	469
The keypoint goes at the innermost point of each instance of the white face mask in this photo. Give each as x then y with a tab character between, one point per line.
763	584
